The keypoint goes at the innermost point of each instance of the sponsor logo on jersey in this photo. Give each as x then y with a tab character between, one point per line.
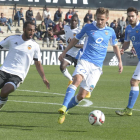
29	47
99	40
114	61
16	43
106	32
74	34
137	30
133	38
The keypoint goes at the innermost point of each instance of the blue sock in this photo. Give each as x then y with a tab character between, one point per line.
133	96
73	102
69	94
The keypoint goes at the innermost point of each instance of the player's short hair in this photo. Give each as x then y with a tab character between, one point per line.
28	22
75	15
102	10
132	9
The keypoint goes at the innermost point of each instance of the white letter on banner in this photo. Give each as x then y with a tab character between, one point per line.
55	1
85	1
48	1
68	1
58	61
74	1
30	0
53	58
44	58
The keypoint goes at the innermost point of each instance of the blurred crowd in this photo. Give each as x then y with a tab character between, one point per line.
55	23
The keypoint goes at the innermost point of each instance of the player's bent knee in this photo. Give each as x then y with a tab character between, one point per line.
7	89
80	97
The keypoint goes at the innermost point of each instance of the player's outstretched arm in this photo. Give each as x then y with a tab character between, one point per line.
59	32
79	46
72	43
117	52
41	73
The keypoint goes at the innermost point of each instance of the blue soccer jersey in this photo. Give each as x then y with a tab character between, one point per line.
95	47
133	34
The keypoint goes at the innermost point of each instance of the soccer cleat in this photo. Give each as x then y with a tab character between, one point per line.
62	110
70	82
126	111
62	117
88	95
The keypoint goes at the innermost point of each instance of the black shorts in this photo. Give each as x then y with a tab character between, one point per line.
7	77
71	60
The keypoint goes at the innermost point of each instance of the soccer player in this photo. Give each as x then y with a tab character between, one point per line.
70	32
89	67
132	33
22	50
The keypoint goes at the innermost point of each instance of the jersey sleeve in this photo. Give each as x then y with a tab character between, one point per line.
5	43
113	39
81	33
126	38
37	54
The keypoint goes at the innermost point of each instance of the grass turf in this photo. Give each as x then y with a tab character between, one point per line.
31	112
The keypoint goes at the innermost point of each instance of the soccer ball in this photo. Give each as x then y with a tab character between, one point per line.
96	117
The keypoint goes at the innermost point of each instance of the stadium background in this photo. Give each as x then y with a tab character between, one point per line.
49	57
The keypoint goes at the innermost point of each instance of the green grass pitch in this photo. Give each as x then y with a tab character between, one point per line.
31	111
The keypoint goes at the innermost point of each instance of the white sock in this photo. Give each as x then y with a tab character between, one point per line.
67	74
2	103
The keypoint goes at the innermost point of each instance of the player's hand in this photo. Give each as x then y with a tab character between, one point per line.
69	40
61	57
122	51
120	67
46	82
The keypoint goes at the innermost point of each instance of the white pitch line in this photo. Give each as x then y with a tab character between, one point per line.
111	108
34	102
87	102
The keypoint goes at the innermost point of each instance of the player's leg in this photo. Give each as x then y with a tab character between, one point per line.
10	84
87	85
77	98
89	78
133	95
78	75
70	92
63	67
5	91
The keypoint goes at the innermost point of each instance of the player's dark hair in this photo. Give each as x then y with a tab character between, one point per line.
75	15
102	10
28	22
132	9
